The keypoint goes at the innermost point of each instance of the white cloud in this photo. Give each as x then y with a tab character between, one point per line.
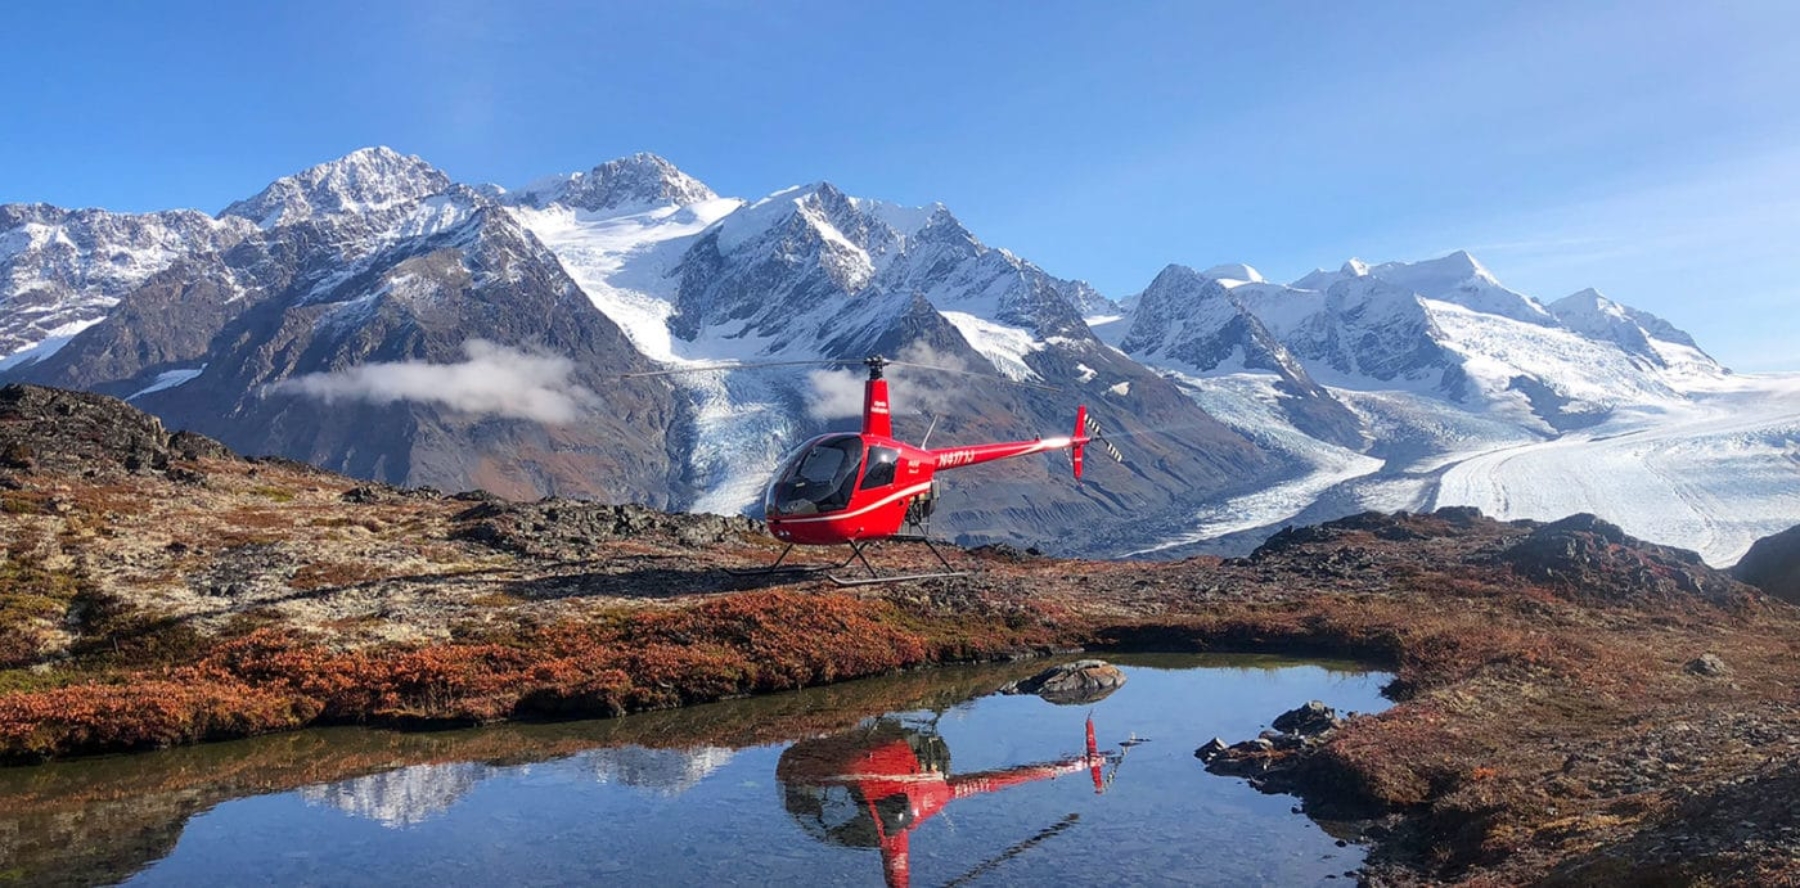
836	394
921	389
494	381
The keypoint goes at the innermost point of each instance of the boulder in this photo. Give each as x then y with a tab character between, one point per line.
1708	666
1083	681
1312	719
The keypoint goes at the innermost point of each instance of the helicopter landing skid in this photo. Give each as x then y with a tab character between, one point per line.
779	569
875	578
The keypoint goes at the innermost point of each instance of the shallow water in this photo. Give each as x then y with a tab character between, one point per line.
909	779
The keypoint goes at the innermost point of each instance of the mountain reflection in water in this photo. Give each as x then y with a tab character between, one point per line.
715	794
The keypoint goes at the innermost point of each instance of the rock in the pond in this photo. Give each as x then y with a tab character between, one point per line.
1083	681
1212	749
1309	720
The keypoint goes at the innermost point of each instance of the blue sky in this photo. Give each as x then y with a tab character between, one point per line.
1649	149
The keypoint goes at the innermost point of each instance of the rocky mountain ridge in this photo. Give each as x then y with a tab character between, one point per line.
374	316
379	319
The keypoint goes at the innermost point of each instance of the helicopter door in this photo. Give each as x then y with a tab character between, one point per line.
819	479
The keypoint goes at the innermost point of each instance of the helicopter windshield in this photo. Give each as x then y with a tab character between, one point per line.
818	478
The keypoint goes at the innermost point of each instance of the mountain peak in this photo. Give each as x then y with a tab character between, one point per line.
1592	314
640	180
366	179
1321	280
1232	274
1460	265
1461	279
1588	295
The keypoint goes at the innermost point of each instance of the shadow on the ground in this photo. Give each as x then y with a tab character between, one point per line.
648	582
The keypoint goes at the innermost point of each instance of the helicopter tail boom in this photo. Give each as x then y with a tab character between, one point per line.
1086	432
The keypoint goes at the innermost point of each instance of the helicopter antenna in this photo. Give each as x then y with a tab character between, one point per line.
928	430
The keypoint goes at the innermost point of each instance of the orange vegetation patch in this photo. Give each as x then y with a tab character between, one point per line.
272	680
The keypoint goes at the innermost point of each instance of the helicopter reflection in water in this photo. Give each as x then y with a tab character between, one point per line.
872	786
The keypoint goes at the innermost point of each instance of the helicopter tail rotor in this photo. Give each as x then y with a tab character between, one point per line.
1087	431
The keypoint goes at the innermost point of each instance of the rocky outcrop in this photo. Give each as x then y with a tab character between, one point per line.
1595	561
1708	666
1384	526
84	434
1274	761
568	529
1773	565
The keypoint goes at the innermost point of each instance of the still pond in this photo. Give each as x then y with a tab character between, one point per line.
922	779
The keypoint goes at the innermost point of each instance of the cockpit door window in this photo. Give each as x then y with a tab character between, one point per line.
818	480
880	472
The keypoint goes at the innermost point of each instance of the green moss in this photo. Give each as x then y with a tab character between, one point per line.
26	579
15	680
278	494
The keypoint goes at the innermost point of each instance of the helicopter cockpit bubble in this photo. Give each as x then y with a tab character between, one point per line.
818	477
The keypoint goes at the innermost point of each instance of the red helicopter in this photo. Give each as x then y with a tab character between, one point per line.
854	488
872	787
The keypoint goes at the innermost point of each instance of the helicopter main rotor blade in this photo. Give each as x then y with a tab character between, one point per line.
987	376
744	365
834	362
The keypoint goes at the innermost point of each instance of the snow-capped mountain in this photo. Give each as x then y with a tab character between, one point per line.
377	262
365	181
1192	321
1470	393
641	181
1445	327
1639	333
61	271
374	316
810	272
377	318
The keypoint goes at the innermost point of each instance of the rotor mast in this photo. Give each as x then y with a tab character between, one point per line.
876	418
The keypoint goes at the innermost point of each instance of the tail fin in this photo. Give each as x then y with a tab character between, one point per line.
1079	439
1087	431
